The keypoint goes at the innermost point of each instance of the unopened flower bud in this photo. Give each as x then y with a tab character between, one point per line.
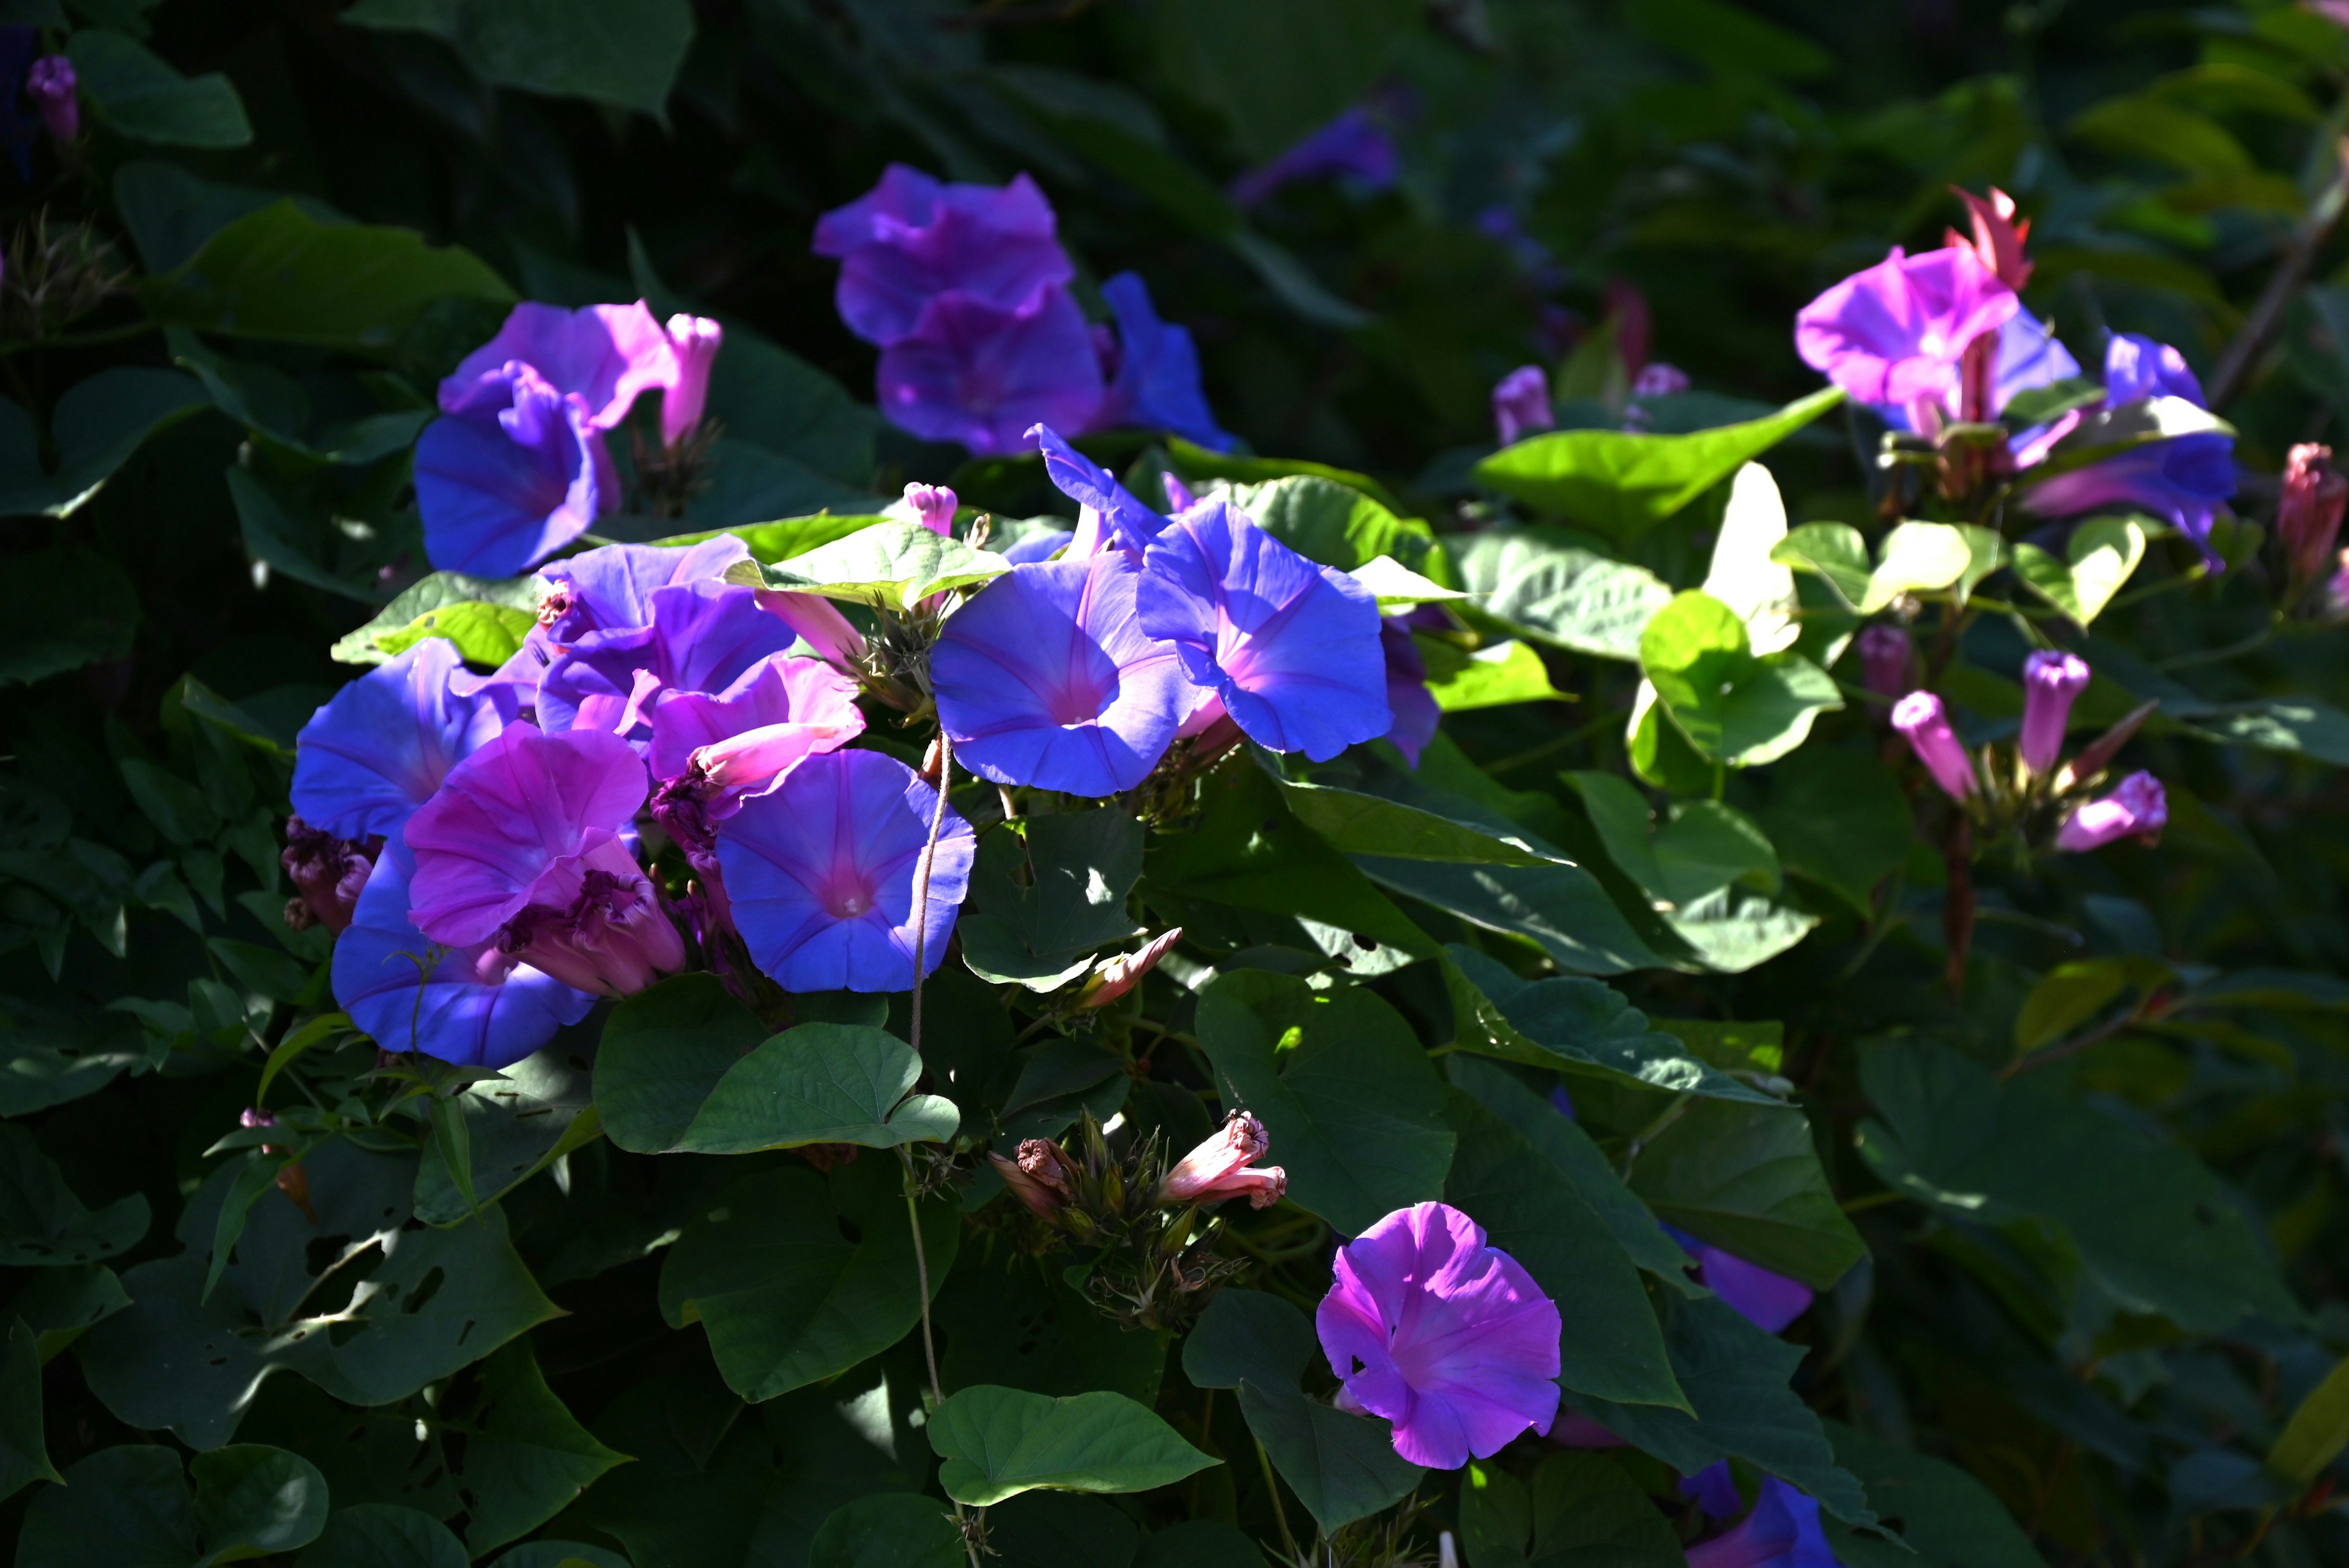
51	84
694	340
1521	403
1043	1198
1998	236
1925	724
2052	679
818	621
1218	1168
933	506
2137	809
2308	517
1657	380
1124	972
1886	661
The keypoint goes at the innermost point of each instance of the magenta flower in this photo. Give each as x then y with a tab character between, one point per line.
473	1005
1221	1168
1416	713
1895	333
367	759
932	505
910	239
820	872
1046	678
1443	1335
779	709
1521	404
1925	724
2138	808
703	637
2052	679
1292	648
693	343
1354	145
1155	383
980	373
611	589
1886	661
53	87
522	848
605	354
1782	1532
514	470
2308	515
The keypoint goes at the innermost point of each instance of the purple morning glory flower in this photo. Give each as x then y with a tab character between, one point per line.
1045	677
2183	480
52	86
2052	679
1782	1532
911	239
1292	648
703	636
779	709
1038	547
981	374
1924	723
522	849
1133	525
1415	711
606	354
1521	404
821	870
478	1007
1353	145
611	588
1158	384
2137	368
367	759
1768	1301
1715	1490
514	470
2138	808
1895	332
1444	1335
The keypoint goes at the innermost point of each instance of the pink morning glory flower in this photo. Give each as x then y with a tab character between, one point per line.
522	849
821	871
608	354
1046	678
1444	1335
2138	808
1292	648
476	1006
367	759
1895	332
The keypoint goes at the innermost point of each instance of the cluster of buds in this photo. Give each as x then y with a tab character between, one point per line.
1155	1263
55	277
2037	792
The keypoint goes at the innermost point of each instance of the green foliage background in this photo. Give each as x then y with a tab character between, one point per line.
2076	1224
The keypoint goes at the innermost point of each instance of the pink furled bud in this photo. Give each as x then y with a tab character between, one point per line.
51	84
1218	1168
817	620
2050	679
933	506
2308	517
1925	724
1521	403
695	341
2137	809
1124	972
767	750
1886	661
1659	380
1998	235
328	874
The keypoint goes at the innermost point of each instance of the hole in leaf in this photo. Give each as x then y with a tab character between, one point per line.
426	1289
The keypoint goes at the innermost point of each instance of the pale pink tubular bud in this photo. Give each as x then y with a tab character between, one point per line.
2052	679
933	506
818	622
1886	661
1923	722
1218	1168
694	340
2308	517
1521	403
1124	972
2139	808
741	761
